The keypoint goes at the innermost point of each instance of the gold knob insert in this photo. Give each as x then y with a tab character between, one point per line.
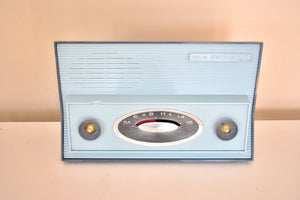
90	128
226	128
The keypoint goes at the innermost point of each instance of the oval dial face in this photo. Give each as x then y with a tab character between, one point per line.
158	127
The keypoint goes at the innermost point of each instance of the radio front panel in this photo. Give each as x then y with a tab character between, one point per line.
157	101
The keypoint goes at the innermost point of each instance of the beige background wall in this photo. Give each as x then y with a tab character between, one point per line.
28	28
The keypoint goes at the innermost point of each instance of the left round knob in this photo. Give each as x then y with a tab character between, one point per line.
89	130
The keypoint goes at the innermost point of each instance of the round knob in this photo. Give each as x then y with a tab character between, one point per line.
89	130
226	129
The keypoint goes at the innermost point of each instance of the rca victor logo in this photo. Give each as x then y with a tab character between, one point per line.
220	57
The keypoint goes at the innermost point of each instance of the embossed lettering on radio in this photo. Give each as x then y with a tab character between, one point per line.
220	57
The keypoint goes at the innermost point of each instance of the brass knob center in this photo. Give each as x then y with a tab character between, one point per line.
90	128
226	128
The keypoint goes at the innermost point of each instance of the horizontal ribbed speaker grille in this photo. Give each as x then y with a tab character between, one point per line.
155	69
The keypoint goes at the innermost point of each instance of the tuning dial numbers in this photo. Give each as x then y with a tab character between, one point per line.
151	127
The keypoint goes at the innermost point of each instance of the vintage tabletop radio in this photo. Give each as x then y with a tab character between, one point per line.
187	101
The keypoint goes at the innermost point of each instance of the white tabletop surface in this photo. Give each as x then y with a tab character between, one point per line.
31	168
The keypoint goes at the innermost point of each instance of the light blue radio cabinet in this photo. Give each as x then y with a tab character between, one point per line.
187	101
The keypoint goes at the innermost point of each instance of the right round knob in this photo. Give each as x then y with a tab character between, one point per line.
226	129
